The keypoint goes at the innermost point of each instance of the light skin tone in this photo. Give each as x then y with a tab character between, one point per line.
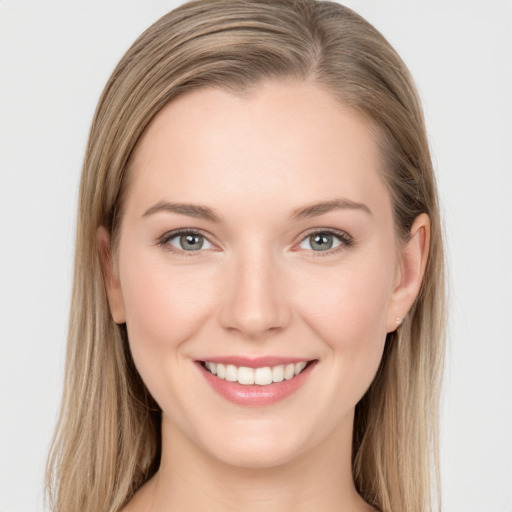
324	286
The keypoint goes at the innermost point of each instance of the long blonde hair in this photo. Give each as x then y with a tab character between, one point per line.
107	442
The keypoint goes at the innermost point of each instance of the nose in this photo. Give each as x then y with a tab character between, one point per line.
255	301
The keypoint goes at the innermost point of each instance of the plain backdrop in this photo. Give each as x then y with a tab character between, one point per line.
55	57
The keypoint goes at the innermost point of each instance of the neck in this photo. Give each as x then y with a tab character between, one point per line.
190	479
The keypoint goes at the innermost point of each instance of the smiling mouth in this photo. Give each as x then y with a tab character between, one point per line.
262	376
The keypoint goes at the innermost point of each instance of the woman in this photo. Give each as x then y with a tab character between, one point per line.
257	316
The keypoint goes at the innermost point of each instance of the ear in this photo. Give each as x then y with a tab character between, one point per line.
411	267
110	277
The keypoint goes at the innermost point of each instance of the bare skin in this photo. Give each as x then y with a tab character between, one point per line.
257	283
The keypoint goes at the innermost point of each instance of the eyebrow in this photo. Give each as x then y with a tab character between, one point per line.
304	212
192	210
315	209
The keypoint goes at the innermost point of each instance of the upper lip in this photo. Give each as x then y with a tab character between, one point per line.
255	362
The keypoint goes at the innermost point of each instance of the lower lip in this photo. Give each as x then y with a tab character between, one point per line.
255	395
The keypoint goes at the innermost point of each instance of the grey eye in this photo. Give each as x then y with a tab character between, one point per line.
189	242
321	242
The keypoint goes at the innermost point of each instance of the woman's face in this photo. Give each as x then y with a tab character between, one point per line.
288	256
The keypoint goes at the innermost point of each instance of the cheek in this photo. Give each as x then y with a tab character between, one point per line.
349	314
165	306
351	305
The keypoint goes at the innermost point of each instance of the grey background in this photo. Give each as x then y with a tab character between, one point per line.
55	57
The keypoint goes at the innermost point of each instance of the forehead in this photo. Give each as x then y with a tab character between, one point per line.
285	142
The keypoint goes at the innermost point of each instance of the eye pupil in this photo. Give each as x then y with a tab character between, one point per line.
321	241
191	242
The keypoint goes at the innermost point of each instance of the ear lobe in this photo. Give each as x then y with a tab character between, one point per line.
414	255
110	278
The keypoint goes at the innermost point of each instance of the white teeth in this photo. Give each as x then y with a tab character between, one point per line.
221	371
263	376
278	373
299	367
289	371
231	373
260	376
245	375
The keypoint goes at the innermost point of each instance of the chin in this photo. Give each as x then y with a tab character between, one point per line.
257	446
252	457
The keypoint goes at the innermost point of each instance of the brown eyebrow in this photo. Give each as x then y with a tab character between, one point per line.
192	210
204	212
324	207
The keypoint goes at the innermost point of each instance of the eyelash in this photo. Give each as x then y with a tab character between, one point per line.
345	239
